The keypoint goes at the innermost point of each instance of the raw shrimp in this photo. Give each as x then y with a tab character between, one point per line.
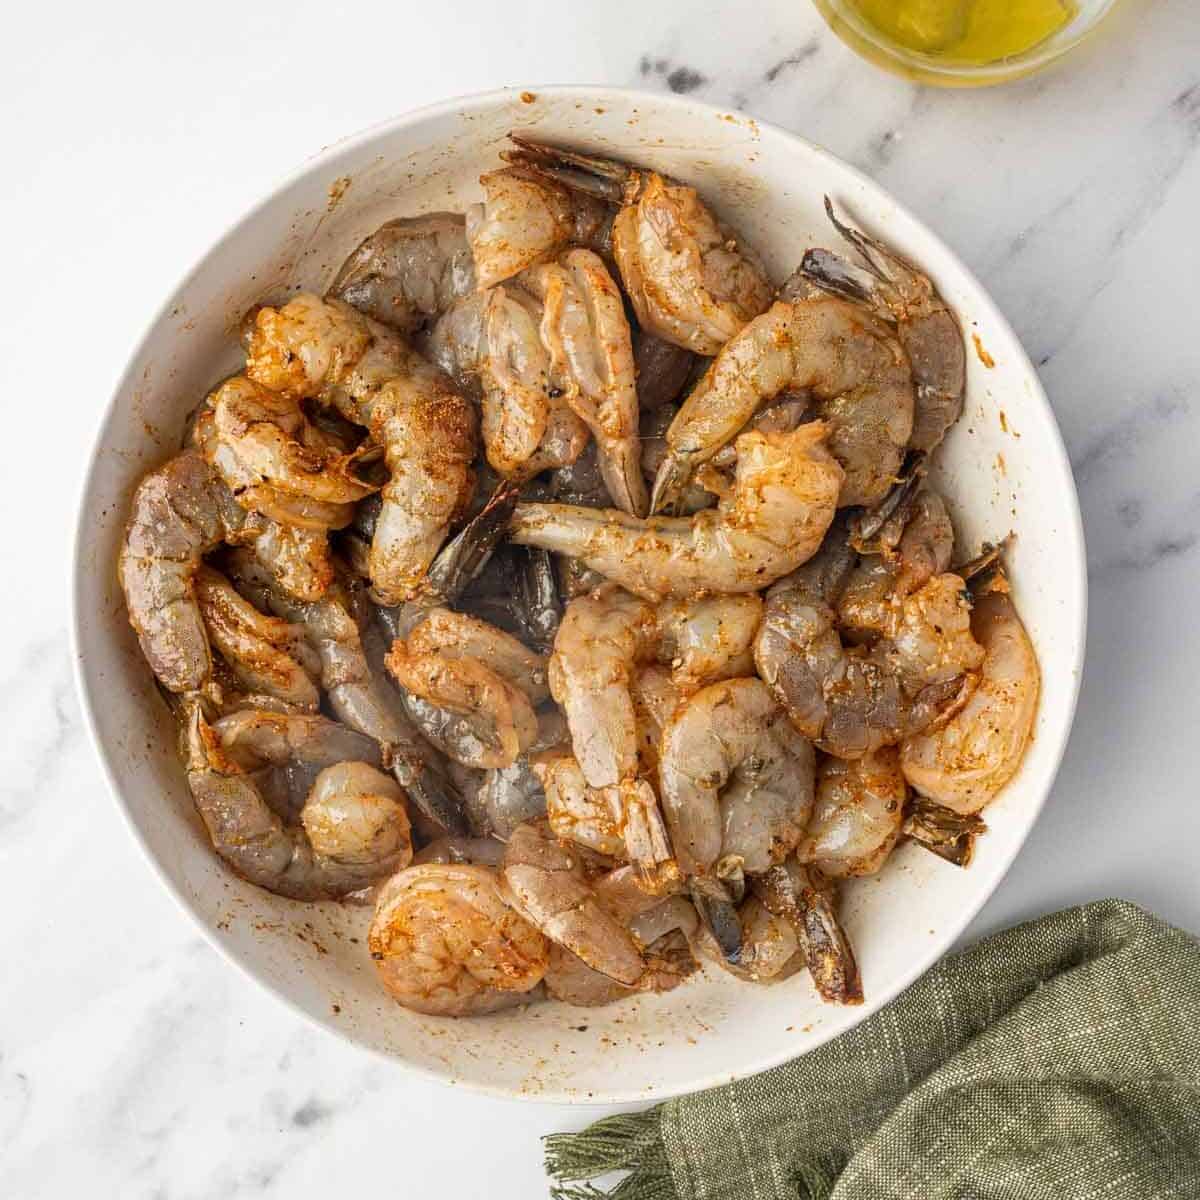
179	513
491	342
355	694
253	494
857	816
409	270
708	639
584	330
948	834
965	762
445	942
354	814
548	886
847	359
912	546
927	328
852	700
805	898
665	929
783	499
471	687
326	349
358	819
737	780
599	645
274	445
528	217
268	656
576	812
691	280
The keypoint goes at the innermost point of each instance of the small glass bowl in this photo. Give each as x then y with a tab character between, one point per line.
848	24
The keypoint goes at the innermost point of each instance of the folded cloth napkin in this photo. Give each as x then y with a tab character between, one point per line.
1059	1060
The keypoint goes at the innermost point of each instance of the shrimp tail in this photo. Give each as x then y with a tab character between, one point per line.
948	834
982	572
462	558
895	504
719	916
827	950
541	605
673	476
637	814
432	794
805	898
591	174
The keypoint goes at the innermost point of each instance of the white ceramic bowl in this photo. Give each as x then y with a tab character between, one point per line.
1003	468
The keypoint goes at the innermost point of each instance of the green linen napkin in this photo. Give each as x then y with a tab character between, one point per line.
1054	1061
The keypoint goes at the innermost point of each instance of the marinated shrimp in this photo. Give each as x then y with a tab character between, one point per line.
445	942
584	763
355	692
408	271
180	512
691	280
848	361
484	713
328	350
852	700
737	780
963	764
925	325
547	883
783	499
527	217
268	656
857	814
356	814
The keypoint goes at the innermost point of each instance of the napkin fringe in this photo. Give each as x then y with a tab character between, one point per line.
625	1142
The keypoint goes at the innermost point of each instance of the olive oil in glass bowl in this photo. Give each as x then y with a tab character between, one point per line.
963	43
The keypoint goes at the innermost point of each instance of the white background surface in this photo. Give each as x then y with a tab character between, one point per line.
135	1063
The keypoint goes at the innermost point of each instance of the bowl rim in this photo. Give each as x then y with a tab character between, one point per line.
932	953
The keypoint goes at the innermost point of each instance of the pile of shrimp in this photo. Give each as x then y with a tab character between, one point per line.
567	591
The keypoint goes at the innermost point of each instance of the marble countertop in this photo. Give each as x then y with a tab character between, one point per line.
136	1063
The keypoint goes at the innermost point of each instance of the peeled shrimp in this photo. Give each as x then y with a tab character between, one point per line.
492	342
691	280
857	816
848	360
782	501
576	812
324	348
927	328
548	885
355	693
268	656
528	217
965	762
359	830
180	512
737	780
273	443
852	700
478	686
591	355
445	942
408	271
